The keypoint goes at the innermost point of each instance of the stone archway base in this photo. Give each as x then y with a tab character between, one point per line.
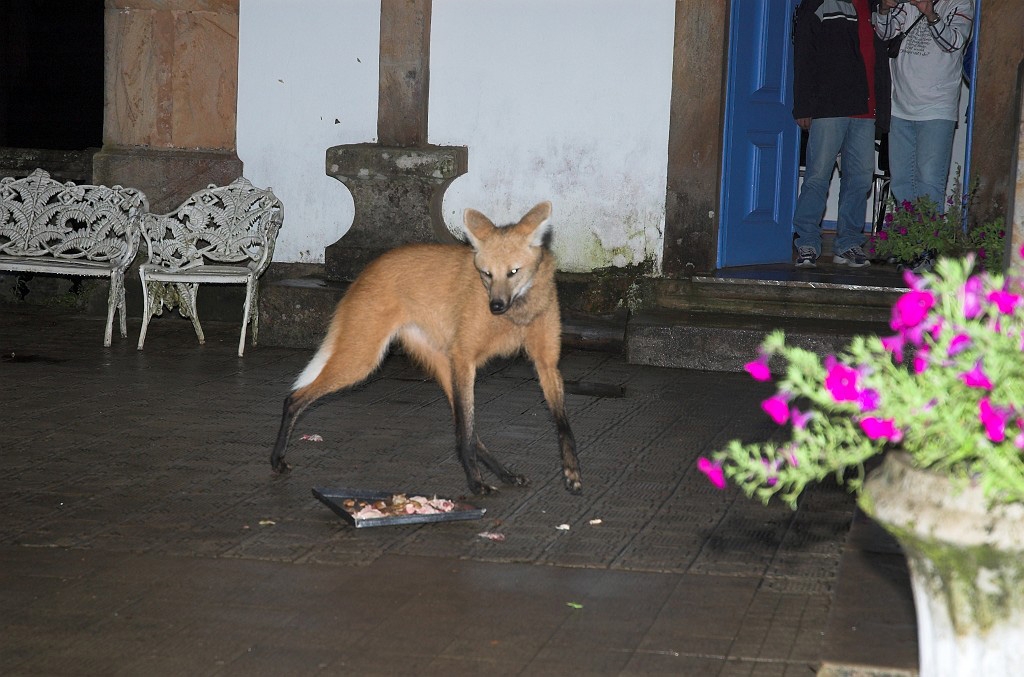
166	176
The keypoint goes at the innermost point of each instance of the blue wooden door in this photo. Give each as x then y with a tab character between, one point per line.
761	145
970	77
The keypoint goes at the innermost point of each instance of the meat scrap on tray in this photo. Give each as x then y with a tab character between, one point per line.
398	504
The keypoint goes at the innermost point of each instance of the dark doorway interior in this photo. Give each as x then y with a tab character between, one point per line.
51	74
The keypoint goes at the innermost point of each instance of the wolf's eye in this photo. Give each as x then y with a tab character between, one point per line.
513	272
486	273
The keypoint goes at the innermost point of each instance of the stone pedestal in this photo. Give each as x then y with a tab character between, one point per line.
397	194
966	560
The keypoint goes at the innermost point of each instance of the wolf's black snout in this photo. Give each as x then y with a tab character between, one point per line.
498	306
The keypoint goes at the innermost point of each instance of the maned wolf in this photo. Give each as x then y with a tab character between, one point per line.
427	296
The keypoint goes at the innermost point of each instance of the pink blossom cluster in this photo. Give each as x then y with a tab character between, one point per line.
941	334
779	409
912	321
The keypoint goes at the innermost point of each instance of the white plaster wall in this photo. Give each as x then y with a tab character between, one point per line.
307	80
566	101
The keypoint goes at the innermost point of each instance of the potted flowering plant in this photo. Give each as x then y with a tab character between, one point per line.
942	399
915	234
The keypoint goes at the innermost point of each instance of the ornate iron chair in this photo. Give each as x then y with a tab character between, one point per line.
53	228
219	235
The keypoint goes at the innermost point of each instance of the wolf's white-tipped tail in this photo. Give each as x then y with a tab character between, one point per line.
314	367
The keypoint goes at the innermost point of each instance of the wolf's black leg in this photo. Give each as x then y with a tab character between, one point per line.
292	409
462	405
554	392
504	473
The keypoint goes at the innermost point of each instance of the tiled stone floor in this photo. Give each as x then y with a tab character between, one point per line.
144	534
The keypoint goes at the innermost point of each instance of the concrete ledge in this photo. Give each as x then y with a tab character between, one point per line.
828	670
723	342
63	165
595	332
295	312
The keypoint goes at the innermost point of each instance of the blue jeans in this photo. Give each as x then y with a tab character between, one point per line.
854	138
919	154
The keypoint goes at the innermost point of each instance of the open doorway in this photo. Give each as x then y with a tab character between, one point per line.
51	92
761	150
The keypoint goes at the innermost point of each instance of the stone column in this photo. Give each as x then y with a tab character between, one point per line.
170	90
694	159
398	183
1015	233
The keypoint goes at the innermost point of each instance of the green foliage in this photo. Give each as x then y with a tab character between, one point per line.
988	240
913	229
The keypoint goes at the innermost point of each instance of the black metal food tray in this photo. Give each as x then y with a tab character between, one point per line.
334	498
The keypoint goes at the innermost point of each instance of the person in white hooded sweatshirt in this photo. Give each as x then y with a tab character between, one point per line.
925	91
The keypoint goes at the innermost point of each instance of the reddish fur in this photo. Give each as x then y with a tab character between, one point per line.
430	298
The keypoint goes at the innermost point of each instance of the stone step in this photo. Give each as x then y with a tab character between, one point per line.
718	341
295	312
775	292
718	322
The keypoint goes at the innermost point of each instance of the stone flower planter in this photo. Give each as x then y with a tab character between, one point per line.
966	564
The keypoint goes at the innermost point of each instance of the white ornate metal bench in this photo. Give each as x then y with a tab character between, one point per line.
219	235
54	228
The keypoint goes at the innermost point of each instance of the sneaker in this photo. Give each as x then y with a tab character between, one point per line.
923	263
853	257
806	257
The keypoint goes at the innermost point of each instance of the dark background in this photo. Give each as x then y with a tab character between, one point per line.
51	74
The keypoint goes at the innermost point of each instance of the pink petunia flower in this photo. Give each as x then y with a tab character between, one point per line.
1005	301
881	429
976	377
713	470
915	335
868	400
994	419
921	360
799	418
913	281
959	344
841	382
911	309
970	294
758	369
894	344
777	407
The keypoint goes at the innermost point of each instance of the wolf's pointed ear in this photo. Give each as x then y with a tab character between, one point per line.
538	222
478	226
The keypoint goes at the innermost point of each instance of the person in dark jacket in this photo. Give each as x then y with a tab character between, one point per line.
840	96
